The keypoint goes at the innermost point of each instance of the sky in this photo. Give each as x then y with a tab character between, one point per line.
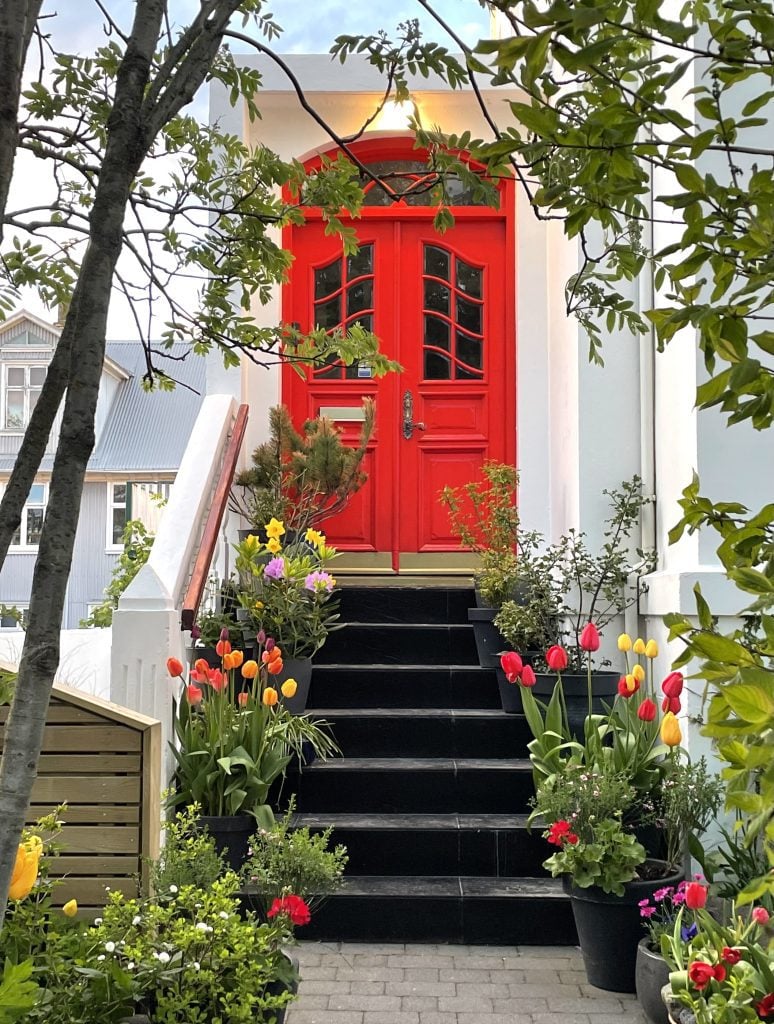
76	26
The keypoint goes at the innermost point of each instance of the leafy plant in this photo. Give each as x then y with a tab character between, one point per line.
287	859
302	478
483	513
137	543
687	803
188	855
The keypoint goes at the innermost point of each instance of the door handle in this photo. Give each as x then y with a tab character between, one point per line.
409	424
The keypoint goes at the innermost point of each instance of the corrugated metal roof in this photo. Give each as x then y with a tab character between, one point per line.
149	431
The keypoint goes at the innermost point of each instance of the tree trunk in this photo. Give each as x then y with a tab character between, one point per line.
17	23
84	330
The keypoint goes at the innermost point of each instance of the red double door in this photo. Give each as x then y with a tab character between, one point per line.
442	306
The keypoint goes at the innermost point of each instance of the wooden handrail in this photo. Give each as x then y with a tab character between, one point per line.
201	569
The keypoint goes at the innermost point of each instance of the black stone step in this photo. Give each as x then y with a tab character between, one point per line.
403	686
455	909
427	732
496	845
405	785
393	643
405	604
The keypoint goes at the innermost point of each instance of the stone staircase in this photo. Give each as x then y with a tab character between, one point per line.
431	796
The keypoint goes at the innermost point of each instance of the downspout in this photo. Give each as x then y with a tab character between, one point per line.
647	356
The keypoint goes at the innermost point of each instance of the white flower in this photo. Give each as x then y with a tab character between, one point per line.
202	926
173	888
196	965
164	957
130	965
97	920
136	919
110	947
101	956
224	915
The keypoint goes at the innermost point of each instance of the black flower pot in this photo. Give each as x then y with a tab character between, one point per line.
610	927
650	975
604	687
231	835
299	669
490	643
510	698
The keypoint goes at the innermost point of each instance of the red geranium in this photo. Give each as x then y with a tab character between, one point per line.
294	907
556	658
560	833
701	974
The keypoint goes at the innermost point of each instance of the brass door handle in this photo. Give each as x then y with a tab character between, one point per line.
409	424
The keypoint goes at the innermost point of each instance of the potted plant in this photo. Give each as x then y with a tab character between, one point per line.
720	972
287	859
301	477
234	737
290	598
595	794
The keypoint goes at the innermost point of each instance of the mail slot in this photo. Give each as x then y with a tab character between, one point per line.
343	413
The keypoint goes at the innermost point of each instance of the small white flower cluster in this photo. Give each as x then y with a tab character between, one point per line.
202	926
163	957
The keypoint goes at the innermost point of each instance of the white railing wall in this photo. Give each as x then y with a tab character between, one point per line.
146	624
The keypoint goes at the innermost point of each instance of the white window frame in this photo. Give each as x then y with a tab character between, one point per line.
22	546
110	544
27	388
27	346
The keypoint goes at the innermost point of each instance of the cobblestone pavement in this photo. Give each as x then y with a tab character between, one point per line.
353	983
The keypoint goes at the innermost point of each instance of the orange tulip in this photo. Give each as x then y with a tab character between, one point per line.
270	697
222	647
289	688
242	698
194	694
202	667
174	667
237	657
217	680
25	869
250	669
274	667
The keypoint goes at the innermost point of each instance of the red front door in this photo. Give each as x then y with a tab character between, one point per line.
442	307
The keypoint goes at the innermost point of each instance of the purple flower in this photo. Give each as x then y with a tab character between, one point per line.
688	932
319	581
275	569
647	911
195	632
261	637
678	898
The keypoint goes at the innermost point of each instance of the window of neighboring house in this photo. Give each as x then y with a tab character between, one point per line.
8	620
21	392
133	501
28	533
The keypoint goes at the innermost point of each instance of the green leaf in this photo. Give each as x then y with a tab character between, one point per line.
749	702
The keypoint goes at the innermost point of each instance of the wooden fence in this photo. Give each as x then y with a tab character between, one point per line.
104	762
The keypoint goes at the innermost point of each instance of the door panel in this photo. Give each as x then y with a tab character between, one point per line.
439	304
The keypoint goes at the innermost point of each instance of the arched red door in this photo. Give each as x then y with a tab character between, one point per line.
443	307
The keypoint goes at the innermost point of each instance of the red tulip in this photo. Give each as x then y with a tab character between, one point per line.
627	686
765	1008
218	681
174	666
647	711
242	698
700	974
556	658
193	694
695	895
528	676
671	704
589	638
673	684
511	665
760	915
731	956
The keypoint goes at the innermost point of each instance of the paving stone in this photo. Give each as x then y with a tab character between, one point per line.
493	1018
323	1017
312	986
525	990
399	1017
420	1004
392	974
436	1017
425	974
463	974
359	1002
430	988
419	960
585	1004
563	1018
528	1005
469	1003
367	988
316	973
490	990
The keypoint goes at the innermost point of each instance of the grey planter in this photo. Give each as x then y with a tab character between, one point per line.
651	974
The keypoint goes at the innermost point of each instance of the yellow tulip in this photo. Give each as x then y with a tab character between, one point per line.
651	649
670	730
70	909
624	642
25	869
639	673
270	697
639	646
273	545
630	683
289	688
274	529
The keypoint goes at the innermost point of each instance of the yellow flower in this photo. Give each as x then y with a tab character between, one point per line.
274	529
70	909
273	545
630	683
651	649
670	730
270	697
639	673
624	642
25	869
639	646
251	545
258	605
314	537
289	688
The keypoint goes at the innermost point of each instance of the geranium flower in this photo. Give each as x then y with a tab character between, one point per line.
765	1008
700	974
560	833
294	907
275	569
